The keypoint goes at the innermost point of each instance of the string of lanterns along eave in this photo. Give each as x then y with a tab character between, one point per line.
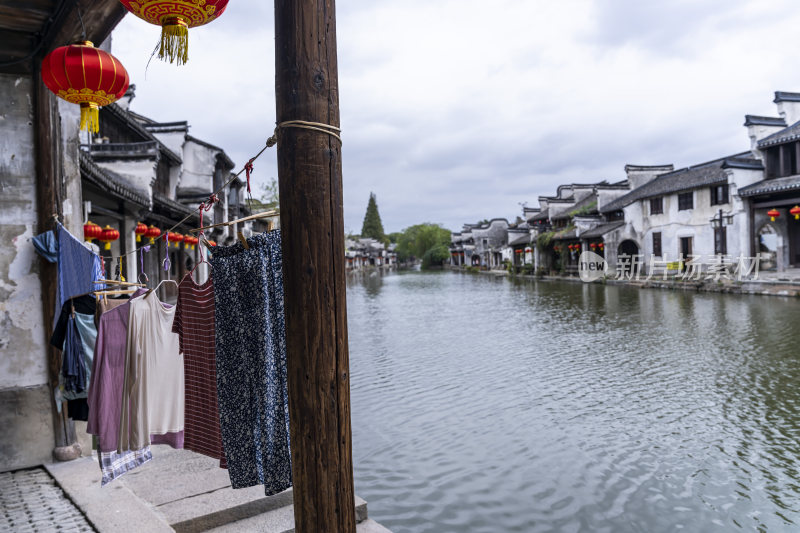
213	198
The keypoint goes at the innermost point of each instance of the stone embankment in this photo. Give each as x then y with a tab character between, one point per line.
772	286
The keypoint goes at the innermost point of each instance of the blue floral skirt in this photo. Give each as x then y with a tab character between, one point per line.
251	362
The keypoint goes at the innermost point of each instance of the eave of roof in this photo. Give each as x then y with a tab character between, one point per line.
164	201
134	125
787	183
599	231
757	120
686	179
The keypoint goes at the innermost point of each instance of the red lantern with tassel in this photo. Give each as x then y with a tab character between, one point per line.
796	212
153	233
773	214
141	229
85	75
593	246
175	18
601	245
91	231
109	235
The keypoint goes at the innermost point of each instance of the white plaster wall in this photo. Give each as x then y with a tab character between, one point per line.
789	111
23	357
173	140
199	163
606	196
140	173
758	132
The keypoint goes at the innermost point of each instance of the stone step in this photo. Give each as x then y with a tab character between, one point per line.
218	513
110	508
282	521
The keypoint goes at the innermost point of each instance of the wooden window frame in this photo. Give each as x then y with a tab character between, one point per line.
682	196
657	206
657	249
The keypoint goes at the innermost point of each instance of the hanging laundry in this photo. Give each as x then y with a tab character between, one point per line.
251	362
105	396
105	305
153	387
72	367
84	305
194	324
77	315
46	245
78	268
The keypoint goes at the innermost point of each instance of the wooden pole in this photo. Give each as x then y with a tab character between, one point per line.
48	203
312	225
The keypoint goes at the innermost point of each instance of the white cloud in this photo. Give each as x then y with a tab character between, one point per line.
454	111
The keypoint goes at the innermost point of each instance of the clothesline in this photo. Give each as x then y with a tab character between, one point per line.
212	199
332	131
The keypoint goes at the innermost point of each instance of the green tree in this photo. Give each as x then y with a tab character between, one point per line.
428	242
394	236
269	194
372	227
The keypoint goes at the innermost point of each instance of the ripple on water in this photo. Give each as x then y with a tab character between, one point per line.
489	405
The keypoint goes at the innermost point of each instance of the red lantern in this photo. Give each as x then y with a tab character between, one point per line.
141	229
85	75
91	231
796	212
108	236
593	246
176	238
190	241
212	243
175	18
773	214
601	245
153	232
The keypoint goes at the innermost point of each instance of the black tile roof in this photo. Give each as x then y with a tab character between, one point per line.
134	125
172	205
792	133
783	96
686	179
756	120
788	183
524	238
599	231
110	181
572	211
541	215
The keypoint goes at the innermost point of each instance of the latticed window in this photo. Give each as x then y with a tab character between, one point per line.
657	206
685	201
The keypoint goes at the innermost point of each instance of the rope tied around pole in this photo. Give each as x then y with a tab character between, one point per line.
333	131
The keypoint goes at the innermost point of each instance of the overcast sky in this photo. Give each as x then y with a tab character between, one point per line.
458	110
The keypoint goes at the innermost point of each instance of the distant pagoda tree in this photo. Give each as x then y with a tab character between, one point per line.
372	227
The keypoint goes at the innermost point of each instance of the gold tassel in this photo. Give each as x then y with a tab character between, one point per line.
174	41
90	117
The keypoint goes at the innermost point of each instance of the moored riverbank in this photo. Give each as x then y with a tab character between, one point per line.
764	287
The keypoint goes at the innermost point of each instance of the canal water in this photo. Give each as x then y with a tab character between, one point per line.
492	405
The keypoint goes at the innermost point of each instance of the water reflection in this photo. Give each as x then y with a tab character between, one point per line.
483	404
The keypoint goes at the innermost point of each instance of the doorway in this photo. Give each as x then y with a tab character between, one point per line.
794	242
685	251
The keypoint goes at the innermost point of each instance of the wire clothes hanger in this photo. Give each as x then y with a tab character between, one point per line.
150	291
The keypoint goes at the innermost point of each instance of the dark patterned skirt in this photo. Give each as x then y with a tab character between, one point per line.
251	362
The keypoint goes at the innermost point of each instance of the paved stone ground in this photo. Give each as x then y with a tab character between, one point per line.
30	501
